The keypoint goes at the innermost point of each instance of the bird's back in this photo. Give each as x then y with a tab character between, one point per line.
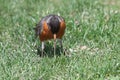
50	25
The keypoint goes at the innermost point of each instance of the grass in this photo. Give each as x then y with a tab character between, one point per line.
92	39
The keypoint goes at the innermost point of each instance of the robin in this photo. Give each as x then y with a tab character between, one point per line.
50	27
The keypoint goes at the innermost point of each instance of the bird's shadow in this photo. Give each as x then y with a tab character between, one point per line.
49	51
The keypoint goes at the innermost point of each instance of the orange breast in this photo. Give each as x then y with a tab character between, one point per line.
46	34
62	30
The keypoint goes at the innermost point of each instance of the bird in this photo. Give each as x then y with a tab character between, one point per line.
50	27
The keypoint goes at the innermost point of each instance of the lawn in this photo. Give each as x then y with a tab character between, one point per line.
91	40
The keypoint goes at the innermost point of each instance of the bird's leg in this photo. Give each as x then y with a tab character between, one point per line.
43	46
61	46
54	44
60	41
